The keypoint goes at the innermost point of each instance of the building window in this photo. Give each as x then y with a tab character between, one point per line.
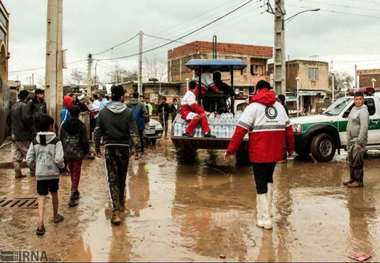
313	74
257	69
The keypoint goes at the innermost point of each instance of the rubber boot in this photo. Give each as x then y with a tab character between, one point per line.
259	213
270	199
266	221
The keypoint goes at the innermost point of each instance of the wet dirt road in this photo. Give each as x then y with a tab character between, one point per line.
203	213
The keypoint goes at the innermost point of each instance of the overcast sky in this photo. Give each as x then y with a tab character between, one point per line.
346	31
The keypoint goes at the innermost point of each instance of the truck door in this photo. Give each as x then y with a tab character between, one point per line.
374	121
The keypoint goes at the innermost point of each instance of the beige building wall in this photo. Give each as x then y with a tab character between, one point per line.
300	69
307	80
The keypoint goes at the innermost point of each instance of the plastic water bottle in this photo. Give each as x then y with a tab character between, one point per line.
199	132
217	131
177	129
226	131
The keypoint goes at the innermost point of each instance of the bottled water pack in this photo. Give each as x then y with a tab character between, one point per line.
222	126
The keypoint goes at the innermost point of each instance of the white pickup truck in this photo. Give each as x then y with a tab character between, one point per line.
322	135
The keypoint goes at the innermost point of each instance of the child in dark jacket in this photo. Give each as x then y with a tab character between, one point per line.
76	147
45	155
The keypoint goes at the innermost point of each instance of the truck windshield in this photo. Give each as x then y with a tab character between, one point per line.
337	107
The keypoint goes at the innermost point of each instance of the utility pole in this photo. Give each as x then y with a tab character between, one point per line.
214	47
89	75
279	47
141	37
54	58
356	77
332	82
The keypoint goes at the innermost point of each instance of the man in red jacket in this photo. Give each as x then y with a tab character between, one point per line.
193	113
270	133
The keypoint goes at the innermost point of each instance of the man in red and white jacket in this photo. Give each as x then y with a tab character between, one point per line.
270	133
193	113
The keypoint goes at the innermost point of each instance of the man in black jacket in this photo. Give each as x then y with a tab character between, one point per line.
116	125
21	122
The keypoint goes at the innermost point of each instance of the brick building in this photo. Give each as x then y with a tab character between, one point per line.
366	77
256	58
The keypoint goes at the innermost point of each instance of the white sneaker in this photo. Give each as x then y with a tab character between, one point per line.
266	221
270	199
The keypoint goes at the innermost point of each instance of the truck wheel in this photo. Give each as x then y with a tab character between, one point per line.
186	155
323	147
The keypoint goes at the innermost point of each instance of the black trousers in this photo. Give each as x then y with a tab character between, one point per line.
117	158
141	136
164	124
263	174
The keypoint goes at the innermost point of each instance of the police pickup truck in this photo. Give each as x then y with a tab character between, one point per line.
322	135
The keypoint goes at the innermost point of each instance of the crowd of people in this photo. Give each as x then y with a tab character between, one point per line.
50	149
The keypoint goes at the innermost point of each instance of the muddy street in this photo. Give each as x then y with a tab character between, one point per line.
202	212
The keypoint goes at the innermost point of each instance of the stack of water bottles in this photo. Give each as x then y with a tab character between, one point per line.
221	125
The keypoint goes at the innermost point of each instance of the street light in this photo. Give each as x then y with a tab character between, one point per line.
298	96
345	84
301	12
332	86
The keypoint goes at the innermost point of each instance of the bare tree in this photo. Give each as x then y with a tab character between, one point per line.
77	76
342	81
154	68
122	75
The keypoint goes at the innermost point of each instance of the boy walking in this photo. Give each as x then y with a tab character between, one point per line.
45	154
76	147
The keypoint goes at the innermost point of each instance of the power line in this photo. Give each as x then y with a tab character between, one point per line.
186	43
185	35
150	49
179	28
41	68
116	46
240	17
342	5
337	12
